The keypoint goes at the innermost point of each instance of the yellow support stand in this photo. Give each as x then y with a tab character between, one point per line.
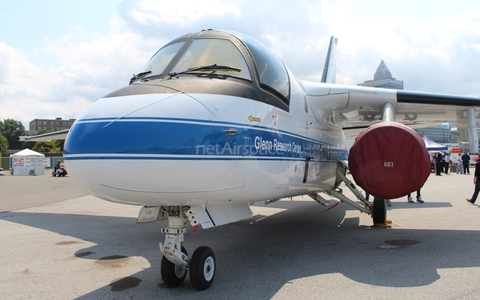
387	224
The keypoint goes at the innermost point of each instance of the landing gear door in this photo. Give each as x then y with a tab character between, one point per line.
220	214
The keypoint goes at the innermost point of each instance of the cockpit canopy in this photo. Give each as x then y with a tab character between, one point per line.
200	53
222	54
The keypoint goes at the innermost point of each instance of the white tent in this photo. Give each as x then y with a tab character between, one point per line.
28	162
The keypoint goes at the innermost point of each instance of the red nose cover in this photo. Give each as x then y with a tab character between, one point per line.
389	160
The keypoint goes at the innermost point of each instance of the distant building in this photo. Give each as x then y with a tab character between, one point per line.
49	124
383	79
441	134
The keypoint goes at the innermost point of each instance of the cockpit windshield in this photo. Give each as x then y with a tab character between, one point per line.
271	69
203	54
238	65
157	64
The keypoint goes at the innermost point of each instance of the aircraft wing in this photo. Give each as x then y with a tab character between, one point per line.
46	137
365	107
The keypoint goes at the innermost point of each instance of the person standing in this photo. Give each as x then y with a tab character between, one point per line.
419	197
439	163
459	164
446	162
475	177
465	162
432	163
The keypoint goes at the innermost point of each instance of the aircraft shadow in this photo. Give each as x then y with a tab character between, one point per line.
257	257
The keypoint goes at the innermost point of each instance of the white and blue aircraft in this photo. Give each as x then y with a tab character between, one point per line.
215	121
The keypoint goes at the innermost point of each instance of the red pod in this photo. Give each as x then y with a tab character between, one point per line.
389	160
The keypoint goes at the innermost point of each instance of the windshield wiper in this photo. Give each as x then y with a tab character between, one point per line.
206	68
139	75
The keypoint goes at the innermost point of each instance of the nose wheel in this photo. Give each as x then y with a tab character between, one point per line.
176	263
172	274
202	268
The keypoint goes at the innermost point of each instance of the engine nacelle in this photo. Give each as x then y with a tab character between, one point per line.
389	160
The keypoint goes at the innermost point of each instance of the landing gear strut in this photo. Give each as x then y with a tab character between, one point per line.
175	261
377	209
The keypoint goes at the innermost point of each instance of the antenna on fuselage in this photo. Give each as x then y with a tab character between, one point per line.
330	69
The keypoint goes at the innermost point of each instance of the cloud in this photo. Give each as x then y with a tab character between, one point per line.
180	13
87	66
22	83
175	18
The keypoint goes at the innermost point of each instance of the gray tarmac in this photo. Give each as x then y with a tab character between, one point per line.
57	242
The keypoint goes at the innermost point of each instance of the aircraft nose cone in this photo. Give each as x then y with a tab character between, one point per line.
131	124
150	149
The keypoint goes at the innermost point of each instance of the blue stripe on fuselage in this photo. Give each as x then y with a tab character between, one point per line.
197	139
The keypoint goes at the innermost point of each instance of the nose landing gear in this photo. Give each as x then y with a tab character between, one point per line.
175	261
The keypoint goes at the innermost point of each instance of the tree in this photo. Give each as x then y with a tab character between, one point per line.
3	144
11	130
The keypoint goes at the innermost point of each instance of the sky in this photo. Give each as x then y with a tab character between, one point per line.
58	57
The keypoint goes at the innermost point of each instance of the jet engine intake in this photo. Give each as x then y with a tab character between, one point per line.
389	160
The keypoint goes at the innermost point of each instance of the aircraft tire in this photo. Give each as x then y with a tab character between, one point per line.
202	268
379	213
172	275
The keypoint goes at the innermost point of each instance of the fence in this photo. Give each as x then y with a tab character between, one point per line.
6	161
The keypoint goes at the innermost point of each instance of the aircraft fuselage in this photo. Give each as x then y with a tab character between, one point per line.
155	145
